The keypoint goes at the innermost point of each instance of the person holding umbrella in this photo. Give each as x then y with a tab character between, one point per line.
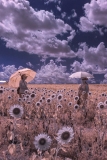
83	88
22	85
17	79
83	91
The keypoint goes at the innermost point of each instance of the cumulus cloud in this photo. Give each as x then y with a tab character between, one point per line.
58	8
52	1
24	29
86	25
63	14
74	13
29	64
94	56
53	73
105	79
96	12
72	35
94	60
95	15
7	71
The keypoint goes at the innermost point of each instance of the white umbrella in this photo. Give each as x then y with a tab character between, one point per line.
16	77
81	75
2	81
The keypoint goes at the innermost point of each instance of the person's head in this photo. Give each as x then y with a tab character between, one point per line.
84	79
23	76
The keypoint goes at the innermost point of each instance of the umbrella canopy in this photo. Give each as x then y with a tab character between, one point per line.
16	77
81	75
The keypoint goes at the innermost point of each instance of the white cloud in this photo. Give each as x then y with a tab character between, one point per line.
63	15
94	56
94	60
58	8
86	25
7	71
72	35
52	73
29	64
52	1
74	13
59	60
25	29
96	12
105	79
95	15
99	71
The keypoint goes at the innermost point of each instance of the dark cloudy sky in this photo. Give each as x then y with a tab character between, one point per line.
55	38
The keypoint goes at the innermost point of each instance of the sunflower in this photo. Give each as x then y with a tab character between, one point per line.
16	111
103	94
53	96
48	100
42	142
60	97
76	98
70	104
12	90
1	91
89	93
59	106
100	105
105	103
24	99
19	99
65	135
9	97
65	99
38	104
40	100
28	102
26	91
43	98
27	96
76	106
32	95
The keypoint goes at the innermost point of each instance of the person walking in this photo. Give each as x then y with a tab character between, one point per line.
22	85
83	91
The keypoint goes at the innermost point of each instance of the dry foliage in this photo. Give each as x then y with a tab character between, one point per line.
89	123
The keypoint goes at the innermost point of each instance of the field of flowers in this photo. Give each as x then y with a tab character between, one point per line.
48	124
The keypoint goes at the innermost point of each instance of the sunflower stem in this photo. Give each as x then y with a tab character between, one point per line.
57	149
40	155
14	124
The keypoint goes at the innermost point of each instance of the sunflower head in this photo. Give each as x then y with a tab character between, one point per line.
9	97
60	97
38	104
16	111
100	105
48	100
76	98
1	91
40	100
65	99
76	106
43	98
59	106
53	96
65	135
28	102
105	103
42	142
32	95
